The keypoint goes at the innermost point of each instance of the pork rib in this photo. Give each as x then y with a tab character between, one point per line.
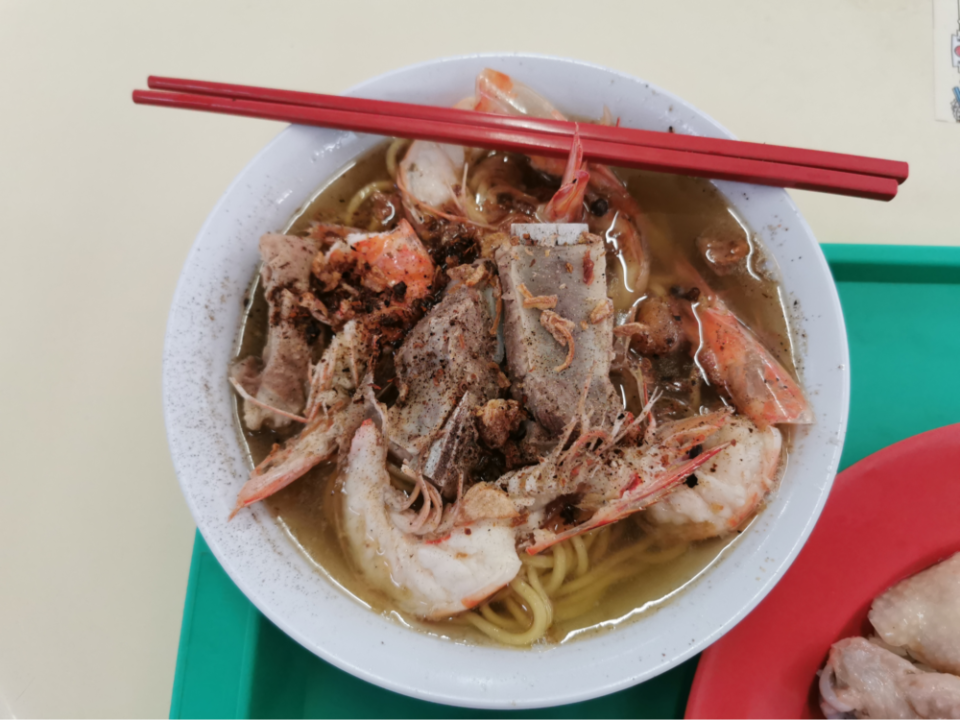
576	276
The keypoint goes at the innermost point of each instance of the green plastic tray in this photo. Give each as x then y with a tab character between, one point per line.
901	308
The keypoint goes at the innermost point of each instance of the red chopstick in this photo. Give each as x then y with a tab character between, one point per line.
539	143
629	136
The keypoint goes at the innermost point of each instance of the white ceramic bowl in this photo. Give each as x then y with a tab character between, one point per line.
282	583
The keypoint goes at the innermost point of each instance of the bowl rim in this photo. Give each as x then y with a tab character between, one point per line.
596	689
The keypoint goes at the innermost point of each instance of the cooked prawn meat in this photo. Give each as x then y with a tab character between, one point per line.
429	175
566	205
383	260
922	615
430	578
613	480
395	257
497	92
278	382
720	495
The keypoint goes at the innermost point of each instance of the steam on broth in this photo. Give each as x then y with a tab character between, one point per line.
610	574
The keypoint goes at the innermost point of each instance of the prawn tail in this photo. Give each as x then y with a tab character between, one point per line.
285	464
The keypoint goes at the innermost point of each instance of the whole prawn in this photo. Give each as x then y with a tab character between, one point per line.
736	361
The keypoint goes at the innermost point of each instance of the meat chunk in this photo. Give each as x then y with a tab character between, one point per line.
444	371
922	615
550	362
281	379
724	248
497	420
489	242
657	329
485	501
385	207
864	680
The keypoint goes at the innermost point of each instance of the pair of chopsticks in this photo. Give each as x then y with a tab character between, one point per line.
757	163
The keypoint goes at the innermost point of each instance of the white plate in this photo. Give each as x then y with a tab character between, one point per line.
282	583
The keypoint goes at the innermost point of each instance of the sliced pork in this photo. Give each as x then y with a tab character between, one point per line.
279	379
445	370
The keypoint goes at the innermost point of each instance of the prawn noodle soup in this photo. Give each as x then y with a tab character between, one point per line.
510	399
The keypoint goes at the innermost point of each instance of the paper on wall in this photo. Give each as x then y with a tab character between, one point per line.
946	60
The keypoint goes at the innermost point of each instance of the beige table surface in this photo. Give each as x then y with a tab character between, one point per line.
100	201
